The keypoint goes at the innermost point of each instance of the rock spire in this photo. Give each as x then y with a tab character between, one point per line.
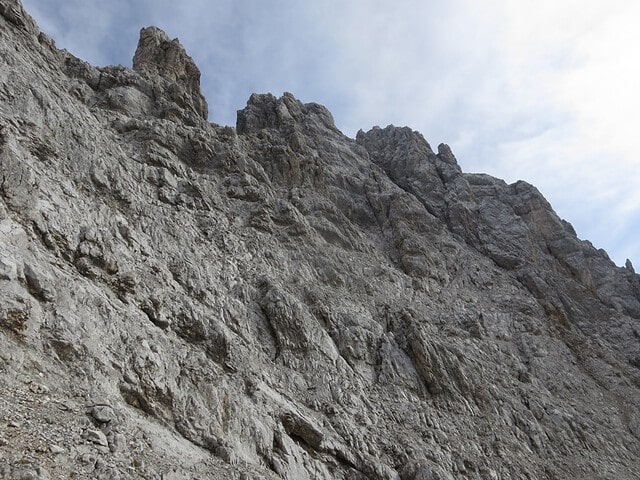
158	56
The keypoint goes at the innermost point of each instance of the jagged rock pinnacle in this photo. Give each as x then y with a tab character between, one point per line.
629	266
158	55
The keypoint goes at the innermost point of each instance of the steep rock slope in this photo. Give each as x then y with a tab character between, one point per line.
276	300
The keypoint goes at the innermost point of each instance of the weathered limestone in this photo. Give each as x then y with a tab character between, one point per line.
276	300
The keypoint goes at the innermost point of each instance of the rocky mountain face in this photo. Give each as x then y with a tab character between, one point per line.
180	299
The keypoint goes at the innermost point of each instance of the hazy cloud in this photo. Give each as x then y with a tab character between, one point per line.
544	91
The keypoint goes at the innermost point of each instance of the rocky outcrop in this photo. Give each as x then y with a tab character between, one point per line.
13	11
514	226
276	300
157	56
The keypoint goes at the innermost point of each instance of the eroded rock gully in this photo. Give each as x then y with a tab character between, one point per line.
276	300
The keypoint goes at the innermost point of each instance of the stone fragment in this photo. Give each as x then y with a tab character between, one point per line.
96	436
40	283
38	388
68	405
103	413
300	427
56	449
118	443
8	268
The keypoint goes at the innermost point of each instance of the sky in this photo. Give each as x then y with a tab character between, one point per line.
544	91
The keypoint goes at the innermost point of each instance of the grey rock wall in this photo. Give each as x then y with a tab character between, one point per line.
276	300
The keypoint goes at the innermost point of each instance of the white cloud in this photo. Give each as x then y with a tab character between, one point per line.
581	58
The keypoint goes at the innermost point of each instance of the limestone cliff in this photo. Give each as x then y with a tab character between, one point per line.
180	299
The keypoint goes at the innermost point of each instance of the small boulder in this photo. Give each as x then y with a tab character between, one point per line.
96	436
40	284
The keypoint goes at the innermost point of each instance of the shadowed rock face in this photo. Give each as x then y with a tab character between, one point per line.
181	299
